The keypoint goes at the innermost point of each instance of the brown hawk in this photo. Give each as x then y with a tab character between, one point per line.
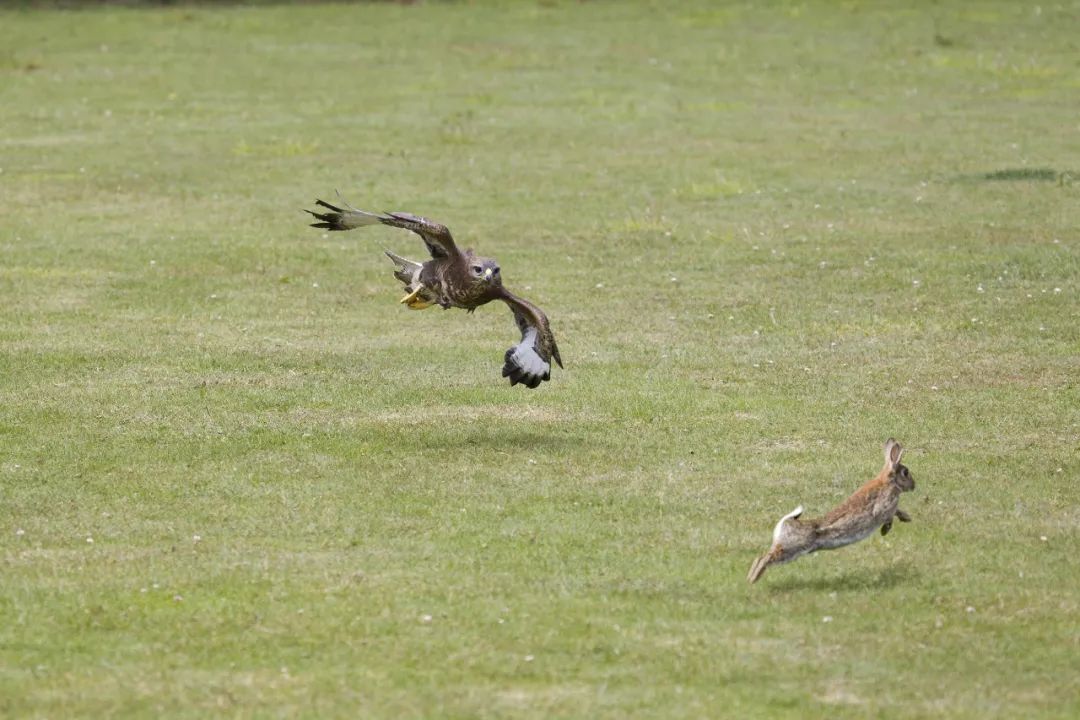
461	279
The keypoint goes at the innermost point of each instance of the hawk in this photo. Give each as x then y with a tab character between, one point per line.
457	278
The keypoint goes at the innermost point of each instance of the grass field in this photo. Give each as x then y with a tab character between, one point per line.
237	478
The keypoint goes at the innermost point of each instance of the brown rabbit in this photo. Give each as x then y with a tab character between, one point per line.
871	506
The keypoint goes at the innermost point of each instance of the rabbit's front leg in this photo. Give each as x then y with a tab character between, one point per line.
886	527
902	516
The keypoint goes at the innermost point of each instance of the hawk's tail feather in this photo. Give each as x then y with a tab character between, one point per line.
408	271
400	261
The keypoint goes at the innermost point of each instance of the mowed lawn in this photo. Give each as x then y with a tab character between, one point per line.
238	478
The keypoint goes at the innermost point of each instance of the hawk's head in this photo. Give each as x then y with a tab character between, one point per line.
485	270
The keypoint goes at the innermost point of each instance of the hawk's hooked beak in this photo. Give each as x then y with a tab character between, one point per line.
487	274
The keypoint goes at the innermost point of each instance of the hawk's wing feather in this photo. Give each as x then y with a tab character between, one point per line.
437	238
529	362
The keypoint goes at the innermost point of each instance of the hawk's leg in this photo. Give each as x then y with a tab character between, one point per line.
414	299
902	516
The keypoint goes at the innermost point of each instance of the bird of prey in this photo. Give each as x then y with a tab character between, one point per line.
457	278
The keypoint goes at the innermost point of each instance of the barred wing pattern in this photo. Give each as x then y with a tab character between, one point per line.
437	238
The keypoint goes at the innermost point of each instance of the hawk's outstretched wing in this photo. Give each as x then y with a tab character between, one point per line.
529	362
437	238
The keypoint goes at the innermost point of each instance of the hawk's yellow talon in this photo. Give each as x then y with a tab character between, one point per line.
411	297
414	301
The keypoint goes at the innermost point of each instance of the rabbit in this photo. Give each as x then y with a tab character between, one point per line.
873	505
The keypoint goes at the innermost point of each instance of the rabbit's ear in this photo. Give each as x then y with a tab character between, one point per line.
893	451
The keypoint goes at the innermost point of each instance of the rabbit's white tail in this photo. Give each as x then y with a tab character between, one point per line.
776	552
776	530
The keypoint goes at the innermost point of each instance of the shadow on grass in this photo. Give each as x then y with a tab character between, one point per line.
1043	174
852	581
510	440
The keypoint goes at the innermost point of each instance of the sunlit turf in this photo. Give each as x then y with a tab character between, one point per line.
237	477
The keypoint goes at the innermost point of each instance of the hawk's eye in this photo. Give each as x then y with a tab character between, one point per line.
477	269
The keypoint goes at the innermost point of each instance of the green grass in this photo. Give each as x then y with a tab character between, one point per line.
769	236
